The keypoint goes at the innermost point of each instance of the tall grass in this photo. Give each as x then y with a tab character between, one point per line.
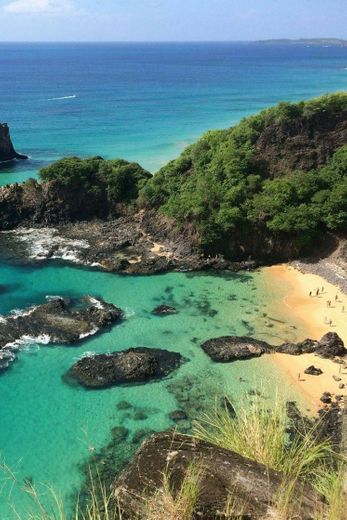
262	434
170	504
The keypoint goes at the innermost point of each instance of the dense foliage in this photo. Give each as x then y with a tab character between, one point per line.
219	185
98	180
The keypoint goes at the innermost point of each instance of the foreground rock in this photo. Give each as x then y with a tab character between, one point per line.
136	365
233	348
59	321
223	471
7	151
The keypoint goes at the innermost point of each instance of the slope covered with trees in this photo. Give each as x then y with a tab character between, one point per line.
281	173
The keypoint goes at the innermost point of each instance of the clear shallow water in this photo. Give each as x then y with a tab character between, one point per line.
144	102
47	426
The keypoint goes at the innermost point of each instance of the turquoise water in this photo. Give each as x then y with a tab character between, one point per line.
48	426
143	102
146	102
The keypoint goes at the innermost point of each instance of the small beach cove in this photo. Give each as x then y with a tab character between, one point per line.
314	314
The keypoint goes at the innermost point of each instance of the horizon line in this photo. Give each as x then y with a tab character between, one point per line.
178	41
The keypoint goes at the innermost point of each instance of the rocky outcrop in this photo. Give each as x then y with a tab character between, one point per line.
135	365
233	348
329	346
296	349
59	321
7	151
254	487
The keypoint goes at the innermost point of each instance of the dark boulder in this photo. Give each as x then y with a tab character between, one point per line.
233	348
135	365
7	151
296	349
164	310
254	486
326	398
330	346
313	371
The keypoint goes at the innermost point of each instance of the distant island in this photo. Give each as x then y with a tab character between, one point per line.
306	41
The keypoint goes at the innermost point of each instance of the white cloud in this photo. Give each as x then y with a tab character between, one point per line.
38	6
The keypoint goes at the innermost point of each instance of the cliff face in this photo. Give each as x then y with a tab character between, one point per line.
300	144
7	151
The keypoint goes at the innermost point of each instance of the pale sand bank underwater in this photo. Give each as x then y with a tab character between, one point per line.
314	315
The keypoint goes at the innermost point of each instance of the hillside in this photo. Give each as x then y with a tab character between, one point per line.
267	187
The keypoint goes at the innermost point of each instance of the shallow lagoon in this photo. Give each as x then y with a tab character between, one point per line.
48	428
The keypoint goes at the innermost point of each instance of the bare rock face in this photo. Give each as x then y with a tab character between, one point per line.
254	487
7	151
233	348
59	321
132	366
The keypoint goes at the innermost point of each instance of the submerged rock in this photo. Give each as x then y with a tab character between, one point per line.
135	365
7	151
233	348
313	371
59	321
255	487
164	310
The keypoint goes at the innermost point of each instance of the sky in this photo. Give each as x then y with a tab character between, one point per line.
170	20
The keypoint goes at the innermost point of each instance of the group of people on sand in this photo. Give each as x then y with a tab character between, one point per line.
319	291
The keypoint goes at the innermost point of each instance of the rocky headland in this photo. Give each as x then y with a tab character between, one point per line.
7	151
268	175
60	321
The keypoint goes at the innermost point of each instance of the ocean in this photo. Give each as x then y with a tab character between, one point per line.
142	102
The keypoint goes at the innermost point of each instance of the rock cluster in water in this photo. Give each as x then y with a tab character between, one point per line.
255	486
59	321
233	348
7	151
135	365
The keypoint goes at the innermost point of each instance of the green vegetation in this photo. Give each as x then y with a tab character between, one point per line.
97	182
220	184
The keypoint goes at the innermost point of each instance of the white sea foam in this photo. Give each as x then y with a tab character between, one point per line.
97	303
40	244
17	313
62	97
25	342
90	333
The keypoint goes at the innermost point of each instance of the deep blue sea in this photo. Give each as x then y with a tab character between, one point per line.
143	102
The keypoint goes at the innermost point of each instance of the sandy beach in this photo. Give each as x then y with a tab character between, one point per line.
317	318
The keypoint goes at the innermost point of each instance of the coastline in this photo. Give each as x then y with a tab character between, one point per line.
314	315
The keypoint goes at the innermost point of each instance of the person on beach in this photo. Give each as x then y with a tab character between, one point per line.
310	293
317	292
322	289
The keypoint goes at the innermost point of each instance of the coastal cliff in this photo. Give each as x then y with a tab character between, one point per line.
7	151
